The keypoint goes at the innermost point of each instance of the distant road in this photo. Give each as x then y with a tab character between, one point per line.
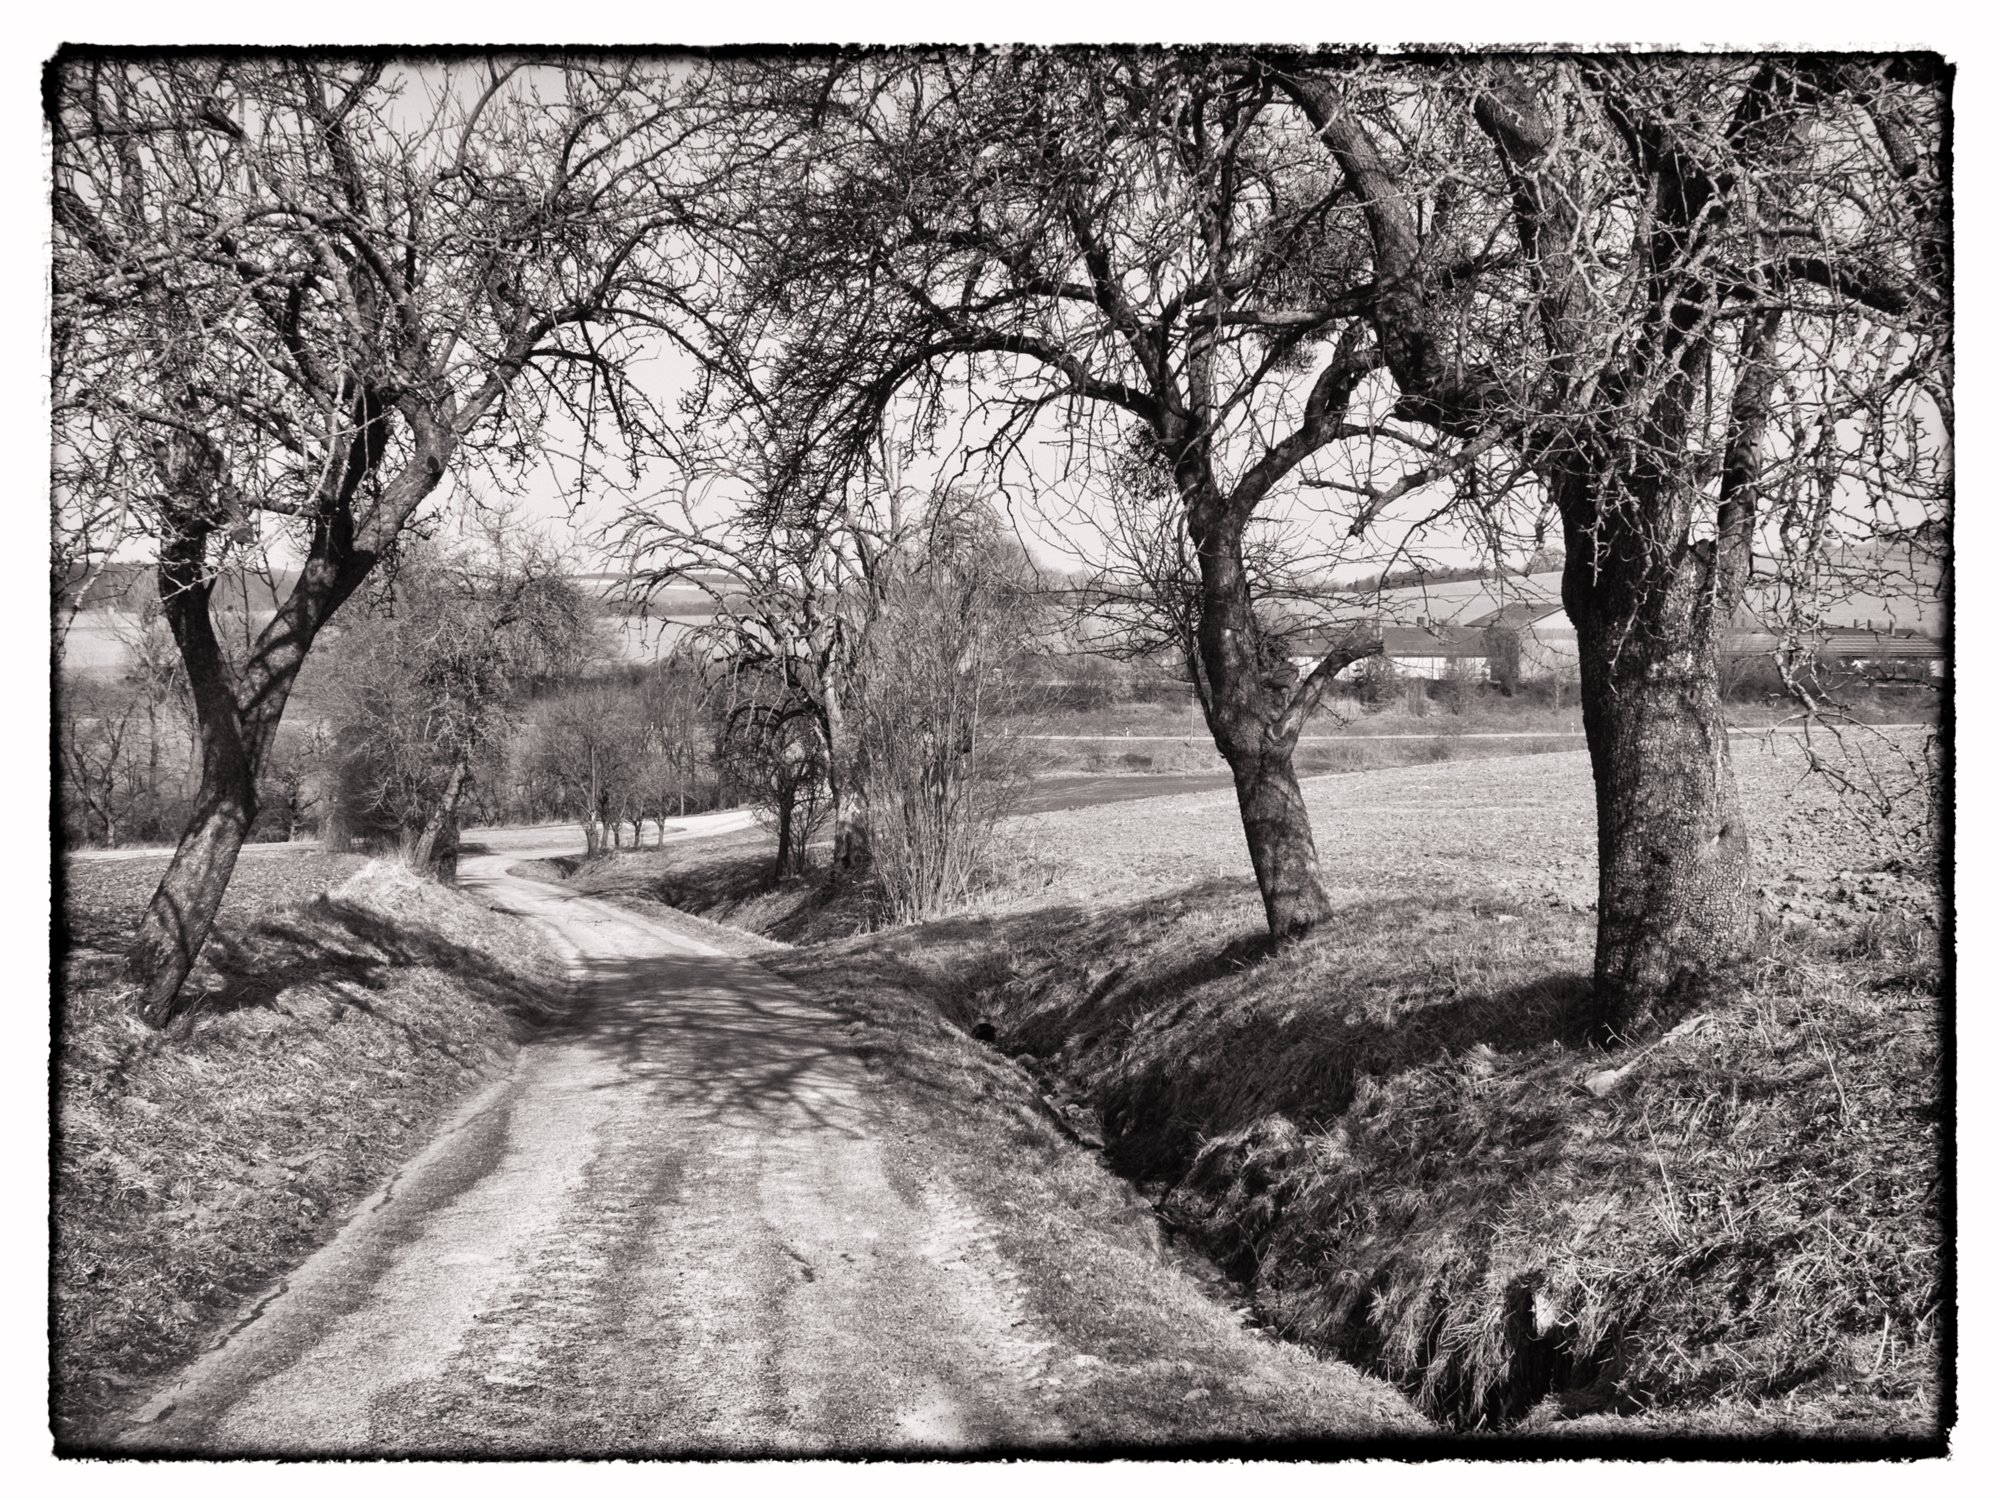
486	840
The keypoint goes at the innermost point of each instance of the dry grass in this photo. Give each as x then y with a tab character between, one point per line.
333	1034
1433	741
1385	1133
1478	711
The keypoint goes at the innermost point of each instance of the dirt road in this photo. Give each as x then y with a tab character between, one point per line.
680	1226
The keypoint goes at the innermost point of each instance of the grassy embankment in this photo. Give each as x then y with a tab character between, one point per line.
1386	1132
345	1009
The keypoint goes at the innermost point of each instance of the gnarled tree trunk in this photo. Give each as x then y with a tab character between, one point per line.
436	851
1249	691
237	718
1674	905
1279	832
184	907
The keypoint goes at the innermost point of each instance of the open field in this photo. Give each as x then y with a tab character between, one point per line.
345	1009
1384	1132
1478	711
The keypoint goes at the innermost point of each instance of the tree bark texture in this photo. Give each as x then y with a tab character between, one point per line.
785	858
1250	694
849	813
1282	852
436	853
183	909
1674	903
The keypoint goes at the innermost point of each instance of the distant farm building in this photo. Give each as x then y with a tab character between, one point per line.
1542	632
1428	651
1547	648
1897	656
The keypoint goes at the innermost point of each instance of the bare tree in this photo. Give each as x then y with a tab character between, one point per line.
797	590
428	681
675	706
938	777
94	733
770	746
585	747
1116	241
293	294
1728	314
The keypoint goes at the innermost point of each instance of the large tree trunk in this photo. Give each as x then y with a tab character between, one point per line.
184	907
1282	853
1248	692
1674	911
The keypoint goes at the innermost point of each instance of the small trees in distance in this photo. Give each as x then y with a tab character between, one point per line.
675	700
585	744
771	747
797	587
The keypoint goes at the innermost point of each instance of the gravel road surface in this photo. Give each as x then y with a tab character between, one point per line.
679	1227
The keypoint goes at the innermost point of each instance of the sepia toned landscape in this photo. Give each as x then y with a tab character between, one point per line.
1102	752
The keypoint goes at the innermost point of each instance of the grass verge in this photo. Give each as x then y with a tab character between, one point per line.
333	1032
1385	1134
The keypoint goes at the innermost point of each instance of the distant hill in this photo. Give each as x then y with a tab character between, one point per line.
1871	589
112	603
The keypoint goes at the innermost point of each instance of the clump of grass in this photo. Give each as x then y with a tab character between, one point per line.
1750	1217
326	1040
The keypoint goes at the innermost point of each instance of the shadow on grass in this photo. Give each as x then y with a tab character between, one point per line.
1382	1132
1175	1041
356	952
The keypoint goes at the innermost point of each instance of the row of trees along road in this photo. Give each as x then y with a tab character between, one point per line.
292	295
1697	308
1688	311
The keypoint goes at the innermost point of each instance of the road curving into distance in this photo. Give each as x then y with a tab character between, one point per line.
678	1227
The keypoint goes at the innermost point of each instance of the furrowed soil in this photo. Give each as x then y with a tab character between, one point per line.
341	1010
1385	1135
